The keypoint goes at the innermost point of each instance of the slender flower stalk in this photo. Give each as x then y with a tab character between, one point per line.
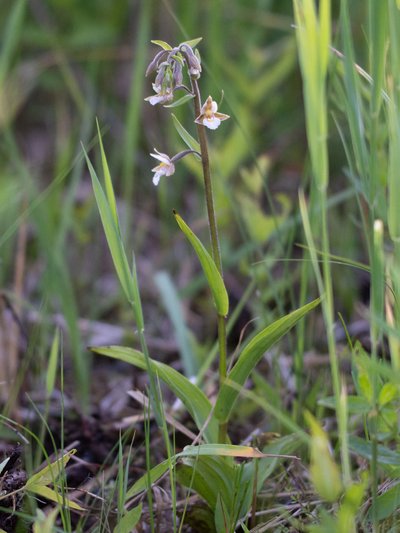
168	64
212	223
205	161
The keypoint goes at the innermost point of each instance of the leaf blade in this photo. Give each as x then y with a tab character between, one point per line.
185	135
181	101
210	270
52	495
162	44
251	355
191	396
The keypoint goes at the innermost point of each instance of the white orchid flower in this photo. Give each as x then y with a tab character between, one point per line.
163	95
209	115
165	168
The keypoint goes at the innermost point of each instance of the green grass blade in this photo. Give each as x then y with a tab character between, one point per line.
51	472
251	355
353	100
52	364
191	396
53	495
214	278
378	37
313	37
394	126
107	180
10	37
112	235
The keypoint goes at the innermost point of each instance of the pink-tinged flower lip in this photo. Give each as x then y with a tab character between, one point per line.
209	116
165	168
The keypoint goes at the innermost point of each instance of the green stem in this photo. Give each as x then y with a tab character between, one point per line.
328	311
377	314
212	220
395	350
212	223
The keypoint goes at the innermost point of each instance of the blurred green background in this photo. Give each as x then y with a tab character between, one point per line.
62	64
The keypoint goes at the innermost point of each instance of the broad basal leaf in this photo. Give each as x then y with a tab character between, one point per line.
251	355
191	396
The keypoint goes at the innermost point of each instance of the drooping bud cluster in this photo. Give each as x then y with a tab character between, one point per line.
169	63
163	85
193	60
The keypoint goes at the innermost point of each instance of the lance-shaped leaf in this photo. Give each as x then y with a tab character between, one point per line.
37	484
53	495
251	355
193	42
202	450
50	473
163	44
190	395
185	98
214	278
185	135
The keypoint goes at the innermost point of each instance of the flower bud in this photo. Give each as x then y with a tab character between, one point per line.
154	64
177	73
192	59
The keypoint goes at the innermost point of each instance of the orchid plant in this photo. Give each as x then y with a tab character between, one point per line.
211	450
169	64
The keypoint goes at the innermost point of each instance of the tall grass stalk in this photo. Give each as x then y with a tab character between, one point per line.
369	146
393	169
313	36
377	25
377	304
